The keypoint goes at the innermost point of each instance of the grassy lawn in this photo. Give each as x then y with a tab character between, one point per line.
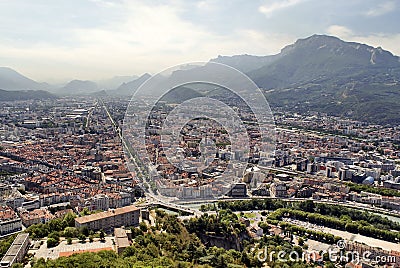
249	215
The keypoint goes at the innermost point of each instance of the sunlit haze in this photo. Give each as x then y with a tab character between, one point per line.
57	41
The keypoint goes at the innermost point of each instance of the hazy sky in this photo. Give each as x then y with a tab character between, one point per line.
93	39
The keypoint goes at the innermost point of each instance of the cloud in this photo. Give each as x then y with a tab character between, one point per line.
386	41
340	31
381	9
97	39
273	6
206	5
145	38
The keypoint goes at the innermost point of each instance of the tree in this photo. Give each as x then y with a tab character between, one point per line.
85	212
5	244
17	265
51	242
69	220
143	226
54	235
90	238
84	230
82	238
69	240
55	225
102	236
71	232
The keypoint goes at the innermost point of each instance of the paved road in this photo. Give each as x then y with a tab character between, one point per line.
349	236
346	204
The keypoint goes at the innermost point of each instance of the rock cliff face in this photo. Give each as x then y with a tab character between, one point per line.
232	242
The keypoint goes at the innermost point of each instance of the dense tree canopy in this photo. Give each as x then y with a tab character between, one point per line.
171	244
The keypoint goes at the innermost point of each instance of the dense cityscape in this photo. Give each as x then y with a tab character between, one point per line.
63	167
202	133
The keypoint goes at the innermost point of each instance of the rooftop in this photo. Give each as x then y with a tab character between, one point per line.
106	214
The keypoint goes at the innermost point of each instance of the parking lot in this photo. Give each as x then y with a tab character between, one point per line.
76	246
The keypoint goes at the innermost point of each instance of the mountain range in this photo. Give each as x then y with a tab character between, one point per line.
325	74
319	73
11	80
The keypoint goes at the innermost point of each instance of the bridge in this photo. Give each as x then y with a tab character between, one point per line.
177	208
154	201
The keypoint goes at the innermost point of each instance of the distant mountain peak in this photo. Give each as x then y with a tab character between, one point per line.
244	62
130	87
13	80
116	81
328	47
315	41
78	87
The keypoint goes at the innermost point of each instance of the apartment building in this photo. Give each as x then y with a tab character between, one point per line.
9	221
40	215
108	220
